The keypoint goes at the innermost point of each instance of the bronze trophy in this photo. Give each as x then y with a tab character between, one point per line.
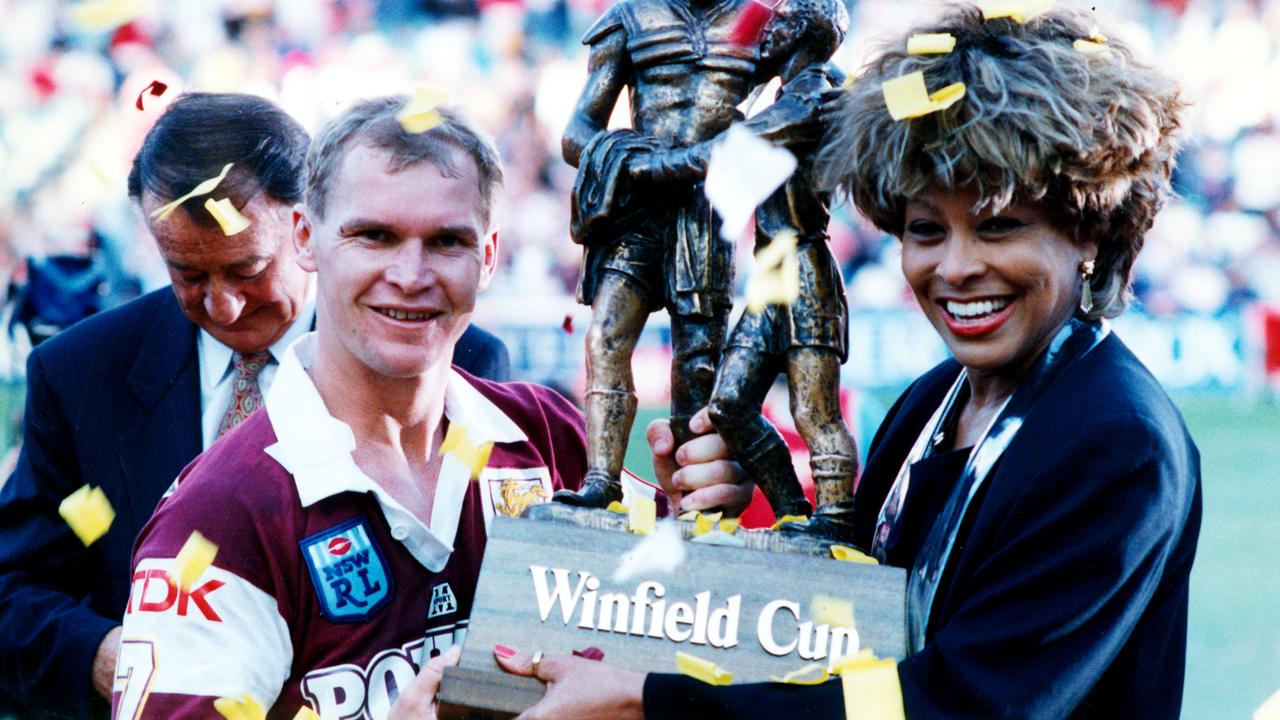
652	241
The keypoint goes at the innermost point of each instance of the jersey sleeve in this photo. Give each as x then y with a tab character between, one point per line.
224	636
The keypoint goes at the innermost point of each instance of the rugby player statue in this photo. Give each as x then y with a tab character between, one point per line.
651	241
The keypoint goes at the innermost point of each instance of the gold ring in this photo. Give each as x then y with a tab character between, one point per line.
537	663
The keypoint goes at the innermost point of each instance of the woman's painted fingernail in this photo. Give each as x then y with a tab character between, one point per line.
503	651
676	480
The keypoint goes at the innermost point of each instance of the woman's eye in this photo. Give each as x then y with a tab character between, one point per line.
924	228
1000	225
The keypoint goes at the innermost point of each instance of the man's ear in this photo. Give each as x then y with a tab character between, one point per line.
302	238
489	261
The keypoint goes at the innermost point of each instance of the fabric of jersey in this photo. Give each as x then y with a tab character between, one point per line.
325	591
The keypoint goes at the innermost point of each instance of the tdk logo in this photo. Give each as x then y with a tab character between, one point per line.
442	601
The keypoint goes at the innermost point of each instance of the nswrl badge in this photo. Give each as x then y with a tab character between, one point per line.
348	571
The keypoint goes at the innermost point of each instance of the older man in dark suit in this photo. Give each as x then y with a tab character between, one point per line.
125	399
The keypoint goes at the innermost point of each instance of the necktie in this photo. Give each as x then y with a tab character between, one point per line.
246	396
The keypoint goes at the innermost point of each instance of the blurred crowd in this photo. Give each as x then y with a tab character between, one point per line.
69	125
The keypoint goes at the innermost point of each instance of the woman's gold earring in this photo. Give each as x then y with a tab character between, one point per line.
1086	293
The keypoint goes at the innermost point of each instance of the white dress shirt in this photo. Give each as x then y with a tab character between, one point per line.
217	371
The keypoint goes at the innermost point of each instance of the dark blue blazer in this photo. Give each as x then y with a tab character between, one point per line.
1066	596
114	401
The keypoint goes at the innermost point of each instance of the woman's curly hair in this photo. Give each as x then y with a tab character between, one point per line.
1092	136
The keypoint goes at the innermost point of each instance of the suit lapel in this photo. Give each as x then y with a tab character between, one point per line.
166	384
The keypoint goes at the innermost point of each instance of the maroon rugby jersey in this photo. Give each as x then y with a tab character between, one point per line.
324	591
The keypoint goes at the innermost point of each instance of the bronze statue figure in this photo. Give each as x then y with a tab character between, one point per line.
652	241
808	338
651	238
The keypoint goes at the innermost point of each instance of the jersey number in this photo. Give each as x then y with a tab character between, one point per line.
135	666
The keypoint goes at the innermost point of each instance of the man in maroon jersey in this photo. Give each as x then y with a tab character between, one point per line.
348	546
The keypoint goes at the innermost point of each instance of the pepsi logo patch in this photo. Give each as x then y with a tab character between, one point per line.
348	570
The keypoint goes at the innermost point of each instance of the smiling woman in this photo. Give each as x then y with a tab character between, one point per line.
1040	487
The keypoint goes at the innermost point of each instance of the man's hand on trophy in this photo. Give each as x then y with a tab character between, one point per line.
597	691
701	474
418	699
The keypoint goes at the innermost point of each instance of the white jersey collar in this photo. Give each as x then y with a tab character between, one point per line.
316	448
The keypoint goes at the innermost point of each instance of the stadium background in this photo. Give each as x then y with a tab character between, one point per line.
1207	321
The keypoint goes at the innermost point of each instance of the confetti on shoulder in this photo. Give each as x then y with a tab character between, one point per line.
306	713
239	708
704	670
163	212
931	44
459	445
193	559
422	112
88	512
907	97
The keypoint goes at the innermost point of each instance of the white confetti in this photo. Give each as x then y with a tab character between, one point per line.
660	551
744	170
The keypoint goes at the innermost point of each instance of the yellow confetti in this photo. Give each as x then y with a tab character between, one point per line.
706	523
777	275
163	212
457	443
193	559
704	670
615	506
864	658
1089	47
789	519
422	112
88	512
690	515
907	97
848	82
306	713
1020	11
229	219
98	15
848	554
931	44
831	611
811	674
1269	710
873	692
642	516
241	708
96	168
729	525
